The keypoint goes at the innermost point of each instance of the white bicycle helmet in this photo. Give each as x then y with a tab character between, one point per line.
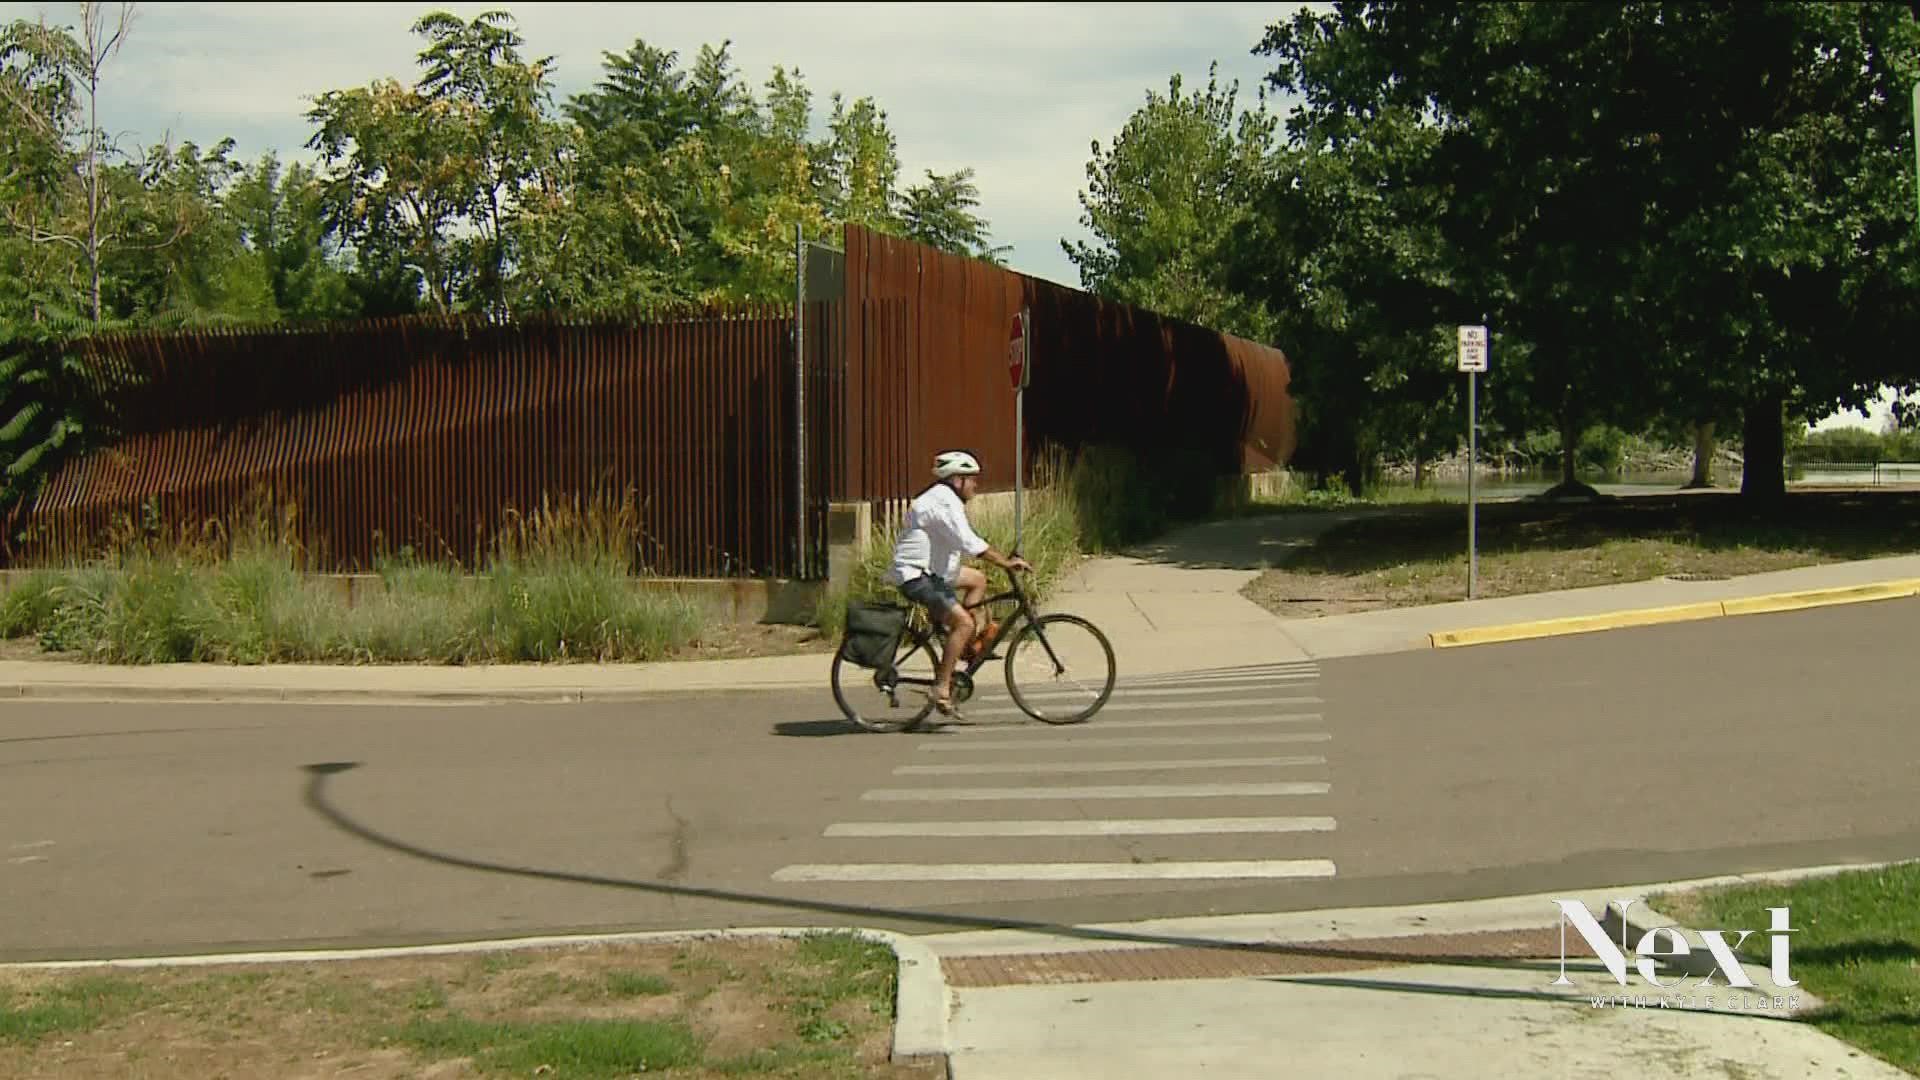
955	463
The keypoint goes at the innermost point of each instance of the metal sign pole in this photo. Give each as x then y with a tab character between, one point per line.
1474	348
1472	446
1020	428
800	395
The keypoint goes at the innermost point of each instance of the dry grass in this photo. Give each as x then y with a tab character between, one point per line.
1418	556
819	1007
559	584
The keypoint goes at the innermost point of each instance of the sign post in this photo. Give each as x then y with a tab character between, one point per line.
1018	372
800	394
1916	141
1473	360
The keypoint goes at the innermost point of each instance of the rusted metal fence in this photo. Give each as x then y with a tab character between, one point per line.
423	433
926	369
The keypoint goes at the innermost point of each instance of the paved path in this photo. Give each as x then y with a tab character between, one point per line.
1629	756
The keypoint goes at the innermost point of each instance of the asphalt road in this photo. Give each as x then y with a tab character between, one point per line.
1750	743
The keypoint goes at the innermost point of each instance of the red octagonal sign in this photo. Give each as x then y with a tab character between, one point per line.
1017	353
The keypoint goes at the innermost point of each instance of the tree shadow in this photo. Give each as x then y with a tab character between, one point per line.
1582	999
1838	525
1858	952
1248	541
316	799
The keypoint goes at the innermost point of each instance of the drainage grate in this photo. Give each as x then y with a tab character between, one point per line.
1699	577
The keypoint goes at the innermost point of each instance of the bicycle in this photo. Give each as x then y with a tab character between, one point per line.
1051	642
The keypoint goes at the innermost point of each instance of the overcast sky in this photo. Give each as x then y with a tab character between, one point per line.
1017	91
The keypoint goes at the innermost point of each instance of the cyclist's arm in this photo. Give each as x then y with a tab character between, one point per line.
977	547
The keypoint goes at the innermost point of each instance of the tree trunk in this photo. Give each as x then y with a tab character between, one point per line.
1569	442
1702	456
1763	428
1419	472
93	175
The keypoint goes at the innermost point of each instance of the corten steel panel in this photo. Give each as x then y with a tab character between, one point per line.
1102	373
424	432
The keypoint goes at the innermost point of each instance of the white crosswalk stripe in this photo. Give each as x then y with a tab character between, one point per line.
1164	691
1060	871
980	769
1139	734
1085	827
1257	704
1071	741
1118	791
1136	725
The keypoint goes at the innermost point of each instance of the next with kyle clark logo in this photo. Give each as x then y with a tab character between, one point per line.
1670	943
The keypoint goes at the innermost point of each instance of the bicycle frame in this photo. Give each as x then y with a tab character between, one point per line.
927	637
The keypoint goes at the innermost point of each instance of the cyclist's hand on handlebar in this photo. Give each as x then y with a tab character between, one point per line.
1017	563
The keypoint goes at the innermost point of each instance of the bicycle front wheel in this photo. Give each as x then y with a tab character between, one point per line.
1060	669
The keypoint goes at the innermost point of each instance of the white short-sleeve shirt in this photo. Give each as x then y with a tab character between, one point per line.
933	537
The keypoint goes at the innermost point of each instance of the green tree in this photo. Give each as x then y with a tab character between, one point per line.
1789	225
859	181
1648	260
940	213
432	177
1165	201
277	215
68	200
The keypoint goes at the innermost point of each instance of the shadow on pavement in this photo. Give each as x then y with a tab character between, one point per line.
316	800
1582	999
1251	542
810	729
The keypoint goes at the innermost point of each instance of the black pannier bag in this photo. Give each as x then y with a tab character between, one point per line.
874	632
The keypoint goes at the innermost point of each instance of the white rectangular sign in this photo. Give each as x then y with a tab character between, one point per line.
1473	348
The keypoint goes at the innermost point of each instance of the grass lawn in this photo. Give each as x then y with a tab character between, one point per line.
820	1006
1857	949
1417	554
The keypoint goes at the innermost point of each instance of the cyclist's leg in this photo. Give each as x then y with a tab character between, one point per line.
944	607
972	594
972	586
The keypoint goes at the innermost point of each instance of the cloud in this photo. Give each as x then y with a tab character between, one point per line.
1016	91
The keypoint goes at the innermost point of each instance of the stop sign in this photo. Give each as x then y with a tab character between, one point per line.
1017	353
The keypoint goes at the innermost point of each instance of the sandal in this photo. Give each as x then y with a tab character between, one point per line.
946	706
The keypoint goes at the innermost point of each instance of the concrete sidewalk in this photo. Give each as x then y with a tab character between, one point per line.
1180	617
1459	990
1170	609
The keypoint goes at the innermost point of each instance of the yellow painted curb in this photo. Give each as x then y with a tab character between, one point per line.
1794	601
1579	624
1710	609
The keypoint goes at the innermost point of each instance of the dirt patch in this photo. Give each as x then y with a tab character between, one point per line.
816	1007
25	648
733	641
1306	596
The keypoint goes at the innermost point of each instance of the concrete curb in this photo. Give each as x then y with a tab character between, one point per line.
1708	609
921	996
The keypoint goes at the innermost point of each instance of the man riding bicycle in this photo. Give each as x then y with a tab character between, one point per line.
926	561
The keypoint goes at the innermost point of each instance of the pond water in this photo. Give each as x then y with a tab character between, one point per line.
1521	485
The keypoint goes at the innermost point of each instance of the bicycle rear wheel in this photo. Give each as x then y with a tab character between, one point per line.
1060	669
862	693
